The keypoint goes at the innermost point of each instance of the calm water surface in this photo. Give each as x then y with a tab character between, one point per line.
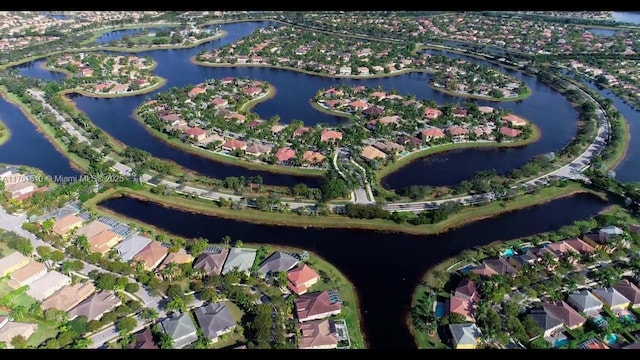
384	268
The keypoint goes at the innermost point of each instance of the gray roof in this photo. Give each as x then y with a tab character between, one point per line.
131	246
181	329
584	300
545	320
278	261
96	305
611	230
214	319
4	169
611	296
465	333
240	258
211	261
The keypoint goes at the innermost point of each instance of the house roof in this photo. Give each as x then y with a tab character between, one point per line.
545	320
177	258
466	289
46	285
26	272
611	230
629	290
498	266
465	334
300	275
96	305
12	260
371	153
181	329
460	306
92	229
579	245
13	329
563	312
64	224
143	340
584	300
315	303
240	258
132	246
212	261
285	153
317	333
278	261
152	254
214	318
610	296
69	296
99	243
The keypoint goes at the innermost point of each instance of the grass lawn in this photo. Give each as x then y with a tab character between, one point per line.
235	311
228	340
620	150
422	338
45	331
5	134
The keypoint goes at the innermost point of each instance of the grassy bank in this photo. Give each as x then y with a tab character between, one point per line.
5	134
100	32
335	221
406	160
76	162
622	147
161	82
231	160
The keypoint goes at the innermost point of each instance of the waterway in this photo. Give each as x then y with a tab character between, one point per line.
384	268
551	112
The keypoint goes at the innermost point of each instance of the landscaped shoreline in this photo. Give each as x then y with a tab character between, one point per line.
456	220
438	149
276	169
5	134
480	97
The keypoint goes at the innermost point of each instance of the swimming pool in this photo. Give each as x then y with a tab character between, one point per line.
440	309
508	252
611	339
560	343
465	269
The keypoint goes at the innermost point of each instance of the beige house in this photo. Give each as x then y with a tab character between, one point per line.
47	285
151	255
67	223
103	241
27	275
92	229
12	262
69	296
13	329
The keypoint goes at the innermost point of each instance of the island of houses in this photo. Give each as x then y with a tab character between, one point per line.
100	74
578	292
169	37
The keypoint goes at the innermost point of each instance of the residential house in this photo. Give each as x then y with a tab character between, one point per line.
18	186
96	306
317	334
519	261
466	289
612	299
585	302
630	291
234	144
196	91
180	257
215	320
151	255
498	266
12	329
465	336
212	260
131	246
431	133
181	329
388	147
312	157
27	274
285	155
196	133
12	262
432	114
509	132
92	229
462	306
258	150
316	305
460	113
345	70
485	109
565	313
549	324
592	344
514	120
69	296
47	285
603	236
67	223
143	340
371	154
330	136
103	242
301	279
239	258
277	262
5	172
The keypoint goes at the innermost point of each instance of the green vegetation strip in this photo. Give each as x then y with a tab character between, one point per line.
5	134
335	221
